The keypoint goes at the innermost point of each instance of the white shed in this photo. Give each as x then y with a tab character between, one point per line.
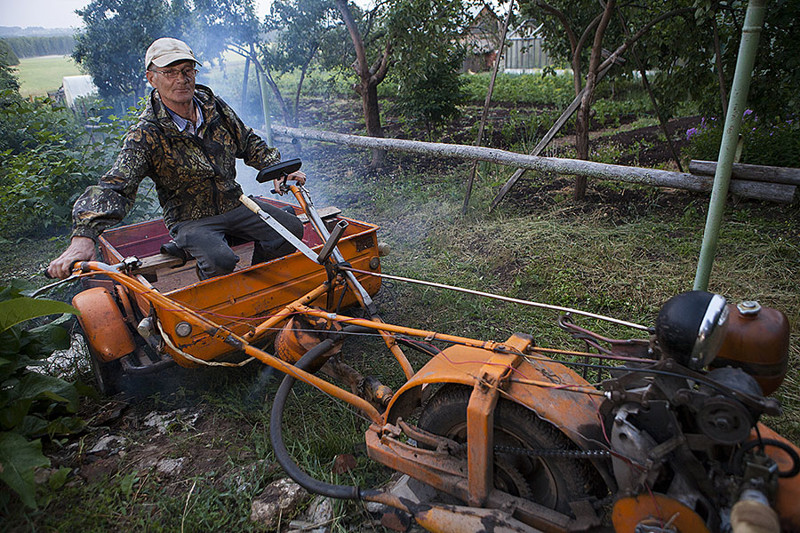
76	87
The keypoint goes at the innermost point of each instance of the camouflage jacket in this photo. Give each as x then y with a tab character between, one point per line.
195	175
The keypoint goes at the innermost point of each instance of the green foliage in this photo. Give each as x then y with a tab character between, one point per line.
521	88
112	46
429	58
307	31
776	75
773	143
32	404
52	45
49	160
429	94
682	53
7	55
9	86
117	34
608	112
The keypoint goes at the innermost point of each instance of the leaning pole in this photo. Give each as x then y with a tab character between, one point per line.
751	32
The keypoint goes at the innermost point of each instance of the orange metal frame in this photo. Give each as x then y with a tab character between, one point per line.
488	367
235	299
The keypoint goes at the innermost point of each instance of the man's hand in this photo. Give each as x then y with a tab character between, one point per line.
298	176
79	249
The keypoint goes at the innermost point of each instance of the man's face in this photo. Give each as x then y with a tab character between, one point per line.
175	91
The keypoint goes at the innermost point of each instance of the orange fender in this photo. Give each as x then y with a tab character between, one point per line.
786	502
574	413
102	322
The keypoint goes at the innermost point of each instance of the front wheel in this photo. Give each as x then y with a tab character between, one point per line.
550	480
106	376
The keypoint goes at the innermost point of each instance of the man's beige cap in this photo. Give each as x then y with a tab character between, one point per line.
166	51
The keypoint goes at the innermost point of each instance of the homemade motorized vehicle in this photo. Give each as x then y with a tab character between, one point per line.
666	438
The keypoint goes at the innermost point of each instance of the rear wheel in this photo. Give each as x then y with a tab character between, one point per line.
550	480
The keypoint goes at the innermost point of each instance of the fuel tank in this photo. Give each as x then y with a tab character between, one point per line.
757	341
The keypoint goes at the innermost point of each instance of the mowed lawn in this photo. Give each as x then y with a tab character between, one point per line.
38	75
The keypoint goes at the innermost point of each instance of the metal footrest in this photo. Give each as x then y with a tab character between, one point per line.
139	362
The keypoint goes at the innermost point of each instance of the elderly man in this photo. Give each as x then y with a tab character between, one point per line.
187	141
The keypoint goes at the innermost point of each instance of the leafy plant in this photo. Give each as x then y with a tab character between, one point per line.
554	91
32	404
765	142
429	93
49	160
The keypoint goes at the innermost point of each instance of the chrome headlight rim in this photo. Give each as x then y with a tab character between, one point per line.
711	333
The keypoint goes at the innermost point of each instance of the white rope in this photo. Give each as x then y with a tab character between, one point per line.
194	359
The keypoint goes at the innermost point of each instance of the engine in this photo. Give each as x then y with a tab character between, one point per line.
684	438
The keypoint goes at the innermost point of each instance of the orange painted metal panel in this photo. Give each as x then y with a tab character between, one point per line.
244	298
103	324
574	413
786	502
655	510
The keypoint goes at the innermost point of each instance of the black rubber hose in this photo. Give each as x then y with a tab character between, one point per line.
342	492
428	350
777	444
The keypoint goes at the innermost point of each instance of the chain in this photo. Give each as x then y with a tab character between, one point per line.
577	454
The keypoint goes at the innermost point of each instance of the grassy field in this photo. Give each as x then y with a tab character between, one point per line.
38	75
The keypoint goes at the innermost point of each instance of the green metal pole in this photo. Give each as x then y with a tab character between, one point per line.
751	32
262	84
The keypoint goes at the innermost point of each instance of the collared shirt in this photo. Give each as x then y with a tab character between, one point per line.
183	123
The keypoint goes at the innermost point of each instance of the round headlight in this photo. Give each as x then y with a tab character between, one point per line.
691	326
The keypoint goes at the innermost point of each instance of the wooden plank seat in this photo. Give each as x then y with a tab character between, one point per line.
152	264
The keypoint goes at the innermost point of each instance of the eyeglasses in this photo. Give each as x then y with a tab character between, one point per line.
172	74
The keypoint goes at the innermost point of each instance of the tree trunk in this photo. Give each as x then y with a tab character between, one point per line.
581	144
285	111
582	123
369	80
372	117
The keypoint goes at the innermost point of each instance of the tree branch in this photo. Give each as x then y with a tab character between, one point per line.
573	40
352	28
638	35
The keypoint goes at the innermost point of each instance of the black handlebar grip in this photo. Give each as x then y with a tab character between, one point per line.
71	268
284	168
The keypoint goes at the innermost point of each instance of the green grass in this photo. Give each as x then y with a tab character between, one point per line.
40	75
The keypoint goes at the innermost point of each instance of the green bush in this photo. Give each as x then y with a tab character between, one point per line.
609	112
49	159
429	94
765	142
521	88
32	404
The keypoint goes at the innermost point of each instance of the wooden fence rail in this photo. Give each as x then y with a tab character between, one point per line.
785	175
775	192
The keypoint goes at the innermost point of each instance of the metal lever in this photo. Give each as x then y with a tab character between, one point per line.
333	240
277	226
316	220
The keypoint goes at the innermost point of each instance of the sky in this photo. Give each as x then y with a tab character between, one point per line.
57	13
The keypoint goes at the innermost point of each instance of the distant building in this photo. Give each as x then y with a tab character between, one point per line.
482	39
523	48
